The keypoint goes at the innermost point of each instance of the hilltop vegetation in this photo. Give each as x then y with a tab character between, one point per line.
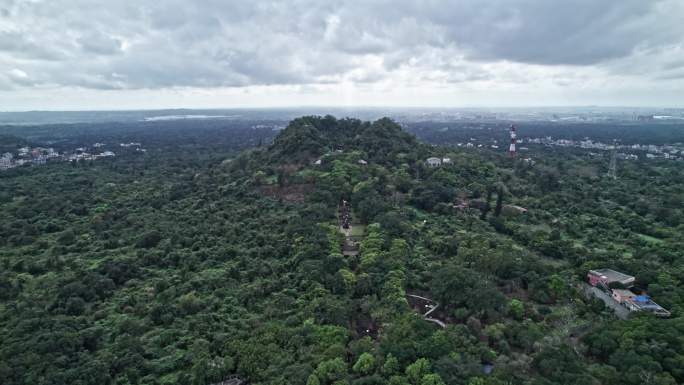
187	266
306	138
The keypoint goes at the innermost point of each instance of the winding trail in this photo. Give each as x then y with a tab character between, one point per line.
432	309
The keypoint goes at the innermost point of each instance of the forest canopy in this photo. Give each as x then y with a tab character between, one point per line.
220	252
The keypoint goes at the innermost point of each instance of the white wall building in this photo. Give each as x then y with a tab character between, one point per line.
433	162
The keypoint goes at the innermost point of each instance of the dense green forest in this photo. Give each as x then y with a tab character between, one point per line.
218	254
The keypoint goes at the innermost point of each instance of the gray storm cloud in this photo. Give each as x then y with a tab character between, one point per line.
209	43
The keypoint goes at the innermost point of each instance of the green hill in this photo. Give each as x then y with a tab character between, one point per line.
310	137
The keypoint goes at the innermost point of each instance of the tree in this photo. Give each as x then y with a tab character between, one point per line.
313	380
516	309
557	286
149	239
450	284
431	379
365	364
487	206
417	370
499	201
398	380
399	252
67	238
331	370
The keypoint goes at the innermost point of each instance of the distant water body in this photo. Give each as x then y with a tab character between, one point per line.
280	114
74	117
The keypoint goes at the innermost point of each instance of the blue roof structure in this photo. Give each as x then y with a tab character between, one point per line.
644	302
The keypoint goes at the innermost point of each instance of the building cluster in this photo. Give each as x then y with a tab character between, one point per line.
652	151
136	145
40	155
83	154
621	289
436	162
27	156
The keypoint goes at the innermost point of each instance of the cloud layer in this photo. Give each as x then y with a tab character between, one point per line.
470	45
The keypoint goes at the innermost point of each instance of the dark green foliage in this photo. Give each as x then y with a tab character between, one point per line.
309	137
192	262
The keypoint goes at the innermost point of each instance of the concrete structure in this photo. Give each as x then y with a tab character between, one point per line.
5	163
433	162
621	295
594	292
608	276
622	299
645	303
514	210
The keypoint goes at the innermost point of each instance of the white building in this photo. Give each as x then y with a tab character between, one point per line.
433	162
5	163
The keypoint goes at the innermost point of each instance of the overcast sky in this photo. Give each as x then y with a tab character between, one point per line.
115	54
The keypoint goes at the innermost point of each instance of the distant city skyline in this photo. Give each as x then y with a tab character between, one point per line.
73	55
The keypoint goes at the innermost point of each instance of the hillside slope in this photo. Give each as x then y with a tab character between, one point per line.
165	270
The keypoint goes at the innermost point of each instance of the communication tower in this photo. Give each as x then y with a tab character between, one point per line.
514	140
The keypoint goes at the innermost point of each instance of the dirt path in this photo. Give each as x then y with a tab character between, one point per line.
350	248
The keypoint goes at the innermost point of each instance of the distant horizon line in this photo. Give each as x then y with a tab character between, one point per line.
358	107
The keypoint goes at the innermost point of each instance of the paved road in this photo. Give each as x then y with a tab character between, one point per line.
620	311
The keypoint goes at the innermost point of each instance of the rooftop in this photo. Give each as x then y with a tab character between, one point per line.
612	275
644	302
624	293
